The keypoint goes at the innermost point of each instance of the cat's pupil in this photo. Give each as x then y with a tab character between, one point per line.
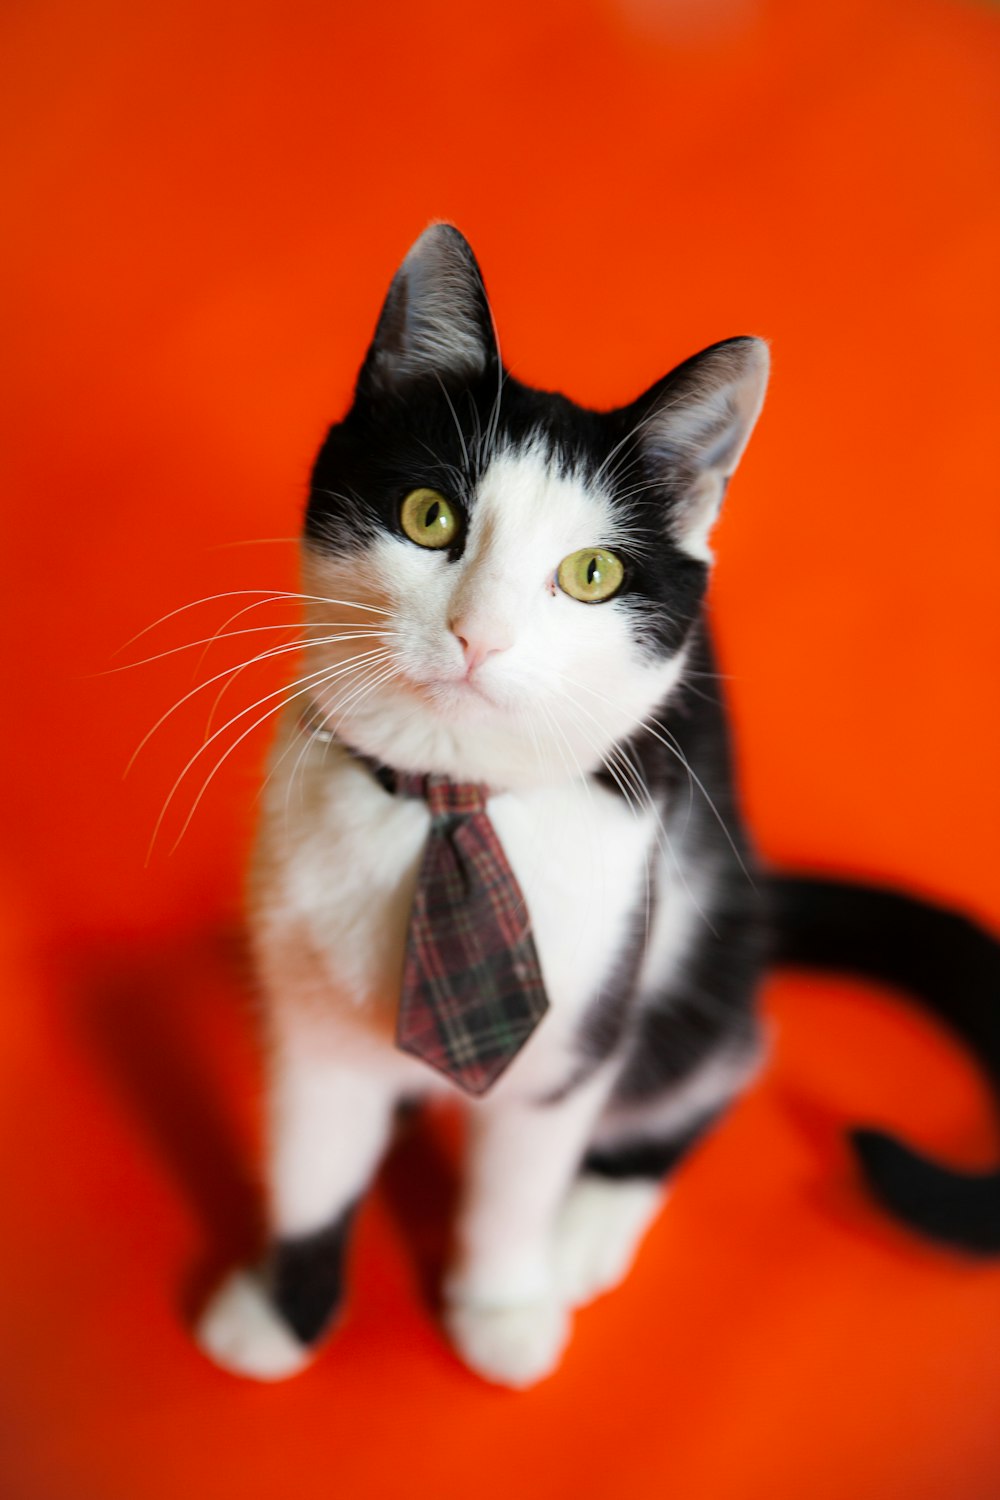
592	570
432	514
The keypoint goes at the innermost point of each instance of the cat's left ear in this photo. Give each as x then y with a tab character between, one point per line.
694	426
436	320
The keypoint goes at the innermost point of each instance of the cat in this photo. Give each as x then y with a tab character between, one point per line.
506	589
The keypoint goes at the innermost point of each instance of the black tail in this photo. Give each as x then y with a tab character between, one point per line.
954	967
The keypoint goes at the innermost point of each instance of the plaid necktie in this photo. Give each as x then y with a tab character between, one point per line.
472	986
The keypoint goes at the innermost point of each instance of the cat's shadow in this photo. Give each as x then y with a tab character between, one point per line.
170	1033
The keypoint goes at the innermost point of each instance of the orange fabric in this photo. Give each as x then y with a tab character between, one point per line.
206	204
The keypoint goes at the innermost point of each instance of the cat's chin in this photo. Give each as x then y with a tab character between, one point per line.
457	698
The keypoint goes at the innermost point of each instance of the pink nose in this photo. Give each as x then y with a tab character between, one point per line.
477	645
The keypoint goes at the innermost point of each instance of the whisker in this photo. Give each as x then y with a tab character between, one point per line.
629	436
302	685
651	724
493	424
269	654
663	839
341	708
635	775
228	636
237	614
256	541
524	718
634	807
693	775
375	632
274	769
457	477
458	425
365	667
479	428
635	790
307	745
581	776
256	604
265	596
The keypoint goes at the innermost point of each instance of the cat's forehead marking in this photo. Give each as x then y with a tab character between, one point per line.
529	496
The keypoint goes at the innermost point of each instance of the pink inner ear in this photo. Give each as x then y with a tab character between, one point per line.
701	417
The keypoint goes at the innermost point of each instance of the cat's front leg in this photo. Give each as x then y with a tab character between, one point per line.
503	1310
328	1124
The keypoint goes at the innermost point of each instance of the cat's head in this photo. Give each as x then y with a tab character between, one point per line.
520	575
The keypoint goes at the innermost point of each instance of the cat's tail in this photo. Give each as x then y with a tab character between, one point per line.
952	965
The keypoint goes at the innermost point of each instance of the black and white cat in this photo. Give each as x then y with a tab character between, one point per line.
506	588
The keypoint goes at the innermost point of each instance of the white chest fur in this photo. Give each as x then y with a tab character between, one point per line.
336	873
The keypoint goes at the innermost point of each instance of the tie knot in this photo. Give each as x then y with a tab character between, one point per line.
444	797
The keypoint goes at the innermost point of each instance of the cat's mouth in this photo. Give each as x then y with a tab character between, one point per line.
454	693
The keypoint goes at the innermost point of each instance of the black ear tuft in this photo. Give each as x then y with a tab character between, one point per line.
697	421
436	320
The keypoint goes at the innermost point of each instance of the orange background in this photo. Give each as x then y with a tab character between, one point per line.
206	203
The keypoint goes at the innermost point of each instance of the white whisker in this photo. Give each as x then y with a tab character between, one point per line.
274	769
341	709
493	424
229	635
375	633
651	725
581	776
268	655
634	807
624	760
458	425
302	685
257	541
265	596
632	433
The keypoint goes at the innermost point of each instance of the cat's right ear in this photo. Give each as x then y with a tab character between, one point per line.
436	321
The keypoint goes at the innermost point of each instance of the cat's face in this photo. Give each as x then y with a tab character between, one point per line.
519	574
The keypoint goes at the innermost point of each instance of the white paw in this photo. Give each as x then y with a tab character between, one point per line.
513	1346
240	1331
598	1234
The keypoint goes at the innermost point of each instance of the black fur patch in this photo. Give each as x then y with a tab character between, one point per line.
709	1002
711	995
655	1159
306	1278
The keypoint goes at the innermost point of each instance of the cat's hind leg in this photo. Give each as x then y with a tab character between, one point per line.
618	1193
329	1125
625	1174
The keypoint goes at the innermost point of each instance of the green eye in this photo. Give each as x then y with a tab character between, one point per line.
428	519
591	576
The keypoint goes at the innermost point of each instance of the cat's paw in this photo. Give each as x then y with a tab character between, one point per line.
512	1346
598	1234
241	1331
